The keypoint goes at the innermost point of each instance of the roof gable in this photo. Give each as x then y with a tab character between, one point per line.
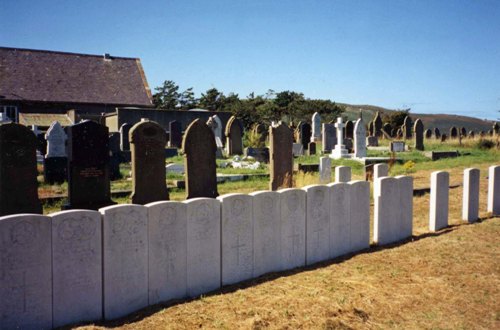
36	75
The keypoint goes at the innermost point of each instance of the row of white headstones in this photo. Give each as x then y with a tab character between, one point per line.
81	265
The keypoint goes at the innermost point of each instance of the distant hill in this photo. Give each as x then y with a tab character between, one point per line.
442	121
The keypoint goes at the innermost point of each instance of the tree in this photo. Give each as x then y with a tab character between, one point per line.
212	100
396	118
187	100
166	96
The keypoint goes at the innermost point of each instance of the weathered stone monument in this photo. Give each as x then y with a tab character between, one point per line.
359	139
380	170
342	174
88	166
198	146
312	148
114	156
18	183
328	137
175	139
496	128
305	133
325	169
124	142
372	141
215	125
339	151
377	125
494	190
437	133
397	146
419	135
470	203
234	134
281	167
453	132
56	159
407	125
463	132
349	130
147	144
428	133
316	127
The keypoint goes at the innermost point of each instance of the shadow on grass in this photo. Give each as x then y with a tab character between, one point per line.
150	310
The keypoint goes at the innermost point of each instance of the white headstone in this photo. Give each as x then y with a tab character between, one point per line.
203	245
494	190
167	251
316	127
342	174
380	170
77	266
25	272
470	206
237	237
125	259
438	212
218	128
325	169
56	141
359	139
393	214
317	223
359	215
266	232
293	227
339	151
340	224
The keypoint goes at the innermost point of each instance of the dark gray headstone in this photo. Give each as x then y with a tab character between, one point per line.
419	134
428	133
198	146
437	133
463	132
496	128
147	144
306	132
348	144
18	172
377	125
443	137
349	130
312	148
88	166
114	156
387	129
407	126
453	132
329	137
175	129
259	154
234	135
124	142
281	169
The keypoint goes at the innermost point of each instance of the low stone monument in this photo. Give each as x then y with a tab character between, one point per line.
328	137
339	151
359	139
316	127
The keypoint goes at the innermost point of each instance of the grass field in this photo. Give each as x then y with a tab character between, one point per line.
444	280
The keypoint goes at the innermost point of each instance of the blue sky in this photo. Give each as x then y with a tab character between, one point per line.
433	56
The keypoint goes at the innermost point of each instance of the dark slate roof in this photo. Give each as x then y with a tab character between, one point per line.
40	75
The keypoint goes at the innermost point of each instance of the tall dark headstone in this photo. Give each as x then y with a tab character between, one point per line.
496	128
437	133
306	133
387	129
147	145
234	137
407	125
453	132
349	130
281	167
377	125
419	134
88	166
114	156
371	129
18	183
198	146
312	148
124	141
55	166
175	129
428	133
463	132
329	137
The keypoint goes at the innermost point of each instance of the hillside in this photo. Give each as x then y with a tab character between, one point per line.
441	121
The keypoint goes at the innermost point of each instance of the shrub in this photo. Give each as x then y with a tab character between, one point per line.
485	144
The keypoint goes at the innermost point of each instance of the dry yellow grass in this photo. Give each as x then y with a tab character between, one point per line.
447	280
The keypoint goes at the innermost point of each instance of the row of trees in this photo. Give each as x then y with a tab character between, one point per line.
287	105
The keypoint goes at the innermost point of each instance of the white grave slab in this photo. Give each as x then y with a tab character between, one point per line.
325	170
494	189
470	206
203	245
438	212
237	237
340	223
266	232
56	141
359	215
125	259
380	170
317	223
393	214
316	127
359	139
293	227
77	266
342	174
167	251
25	272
